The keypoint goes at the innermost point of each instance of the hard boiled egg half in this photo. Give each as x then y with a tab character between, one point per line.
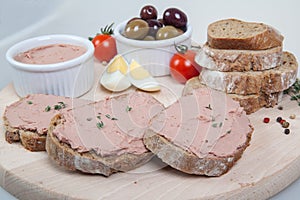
114	76
118	76
141	78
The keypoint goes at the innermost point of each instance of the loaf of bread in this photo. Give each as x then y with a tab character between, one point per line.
237	34
238	60
253	82
204	139
103	137
251	103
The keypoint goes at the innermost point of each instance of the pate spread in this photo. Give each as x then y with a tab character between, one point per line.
34	112
205	123
50	54
110	127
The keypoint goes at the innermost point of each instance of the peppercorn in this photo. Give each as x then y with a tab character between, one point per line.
292	116
266	120
280	108
285	124
286	131
282	121
278	119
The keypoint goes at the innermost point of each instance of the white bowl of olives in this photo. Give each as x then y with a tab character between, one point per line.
151	41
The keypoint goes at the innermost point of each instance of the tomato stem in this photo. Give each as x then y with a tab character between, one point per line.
107	30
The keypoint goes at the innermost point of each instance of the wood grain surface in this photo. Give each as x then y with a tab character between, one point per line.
269	164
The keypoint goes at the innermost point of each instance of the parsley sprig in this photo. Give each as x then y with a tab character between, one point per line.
294	91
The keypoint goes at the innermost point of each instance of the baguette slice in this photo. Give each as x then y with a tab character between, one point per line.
250	103
204	133
27	121
103	137
253	82
238	60
237	34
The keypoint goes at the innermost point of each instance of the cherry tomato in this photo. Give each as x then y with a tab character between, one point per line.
105	44
183	66
105	47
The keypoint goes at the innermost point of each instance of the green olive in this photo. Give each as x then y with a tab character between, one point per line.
149	38
136	29
166	33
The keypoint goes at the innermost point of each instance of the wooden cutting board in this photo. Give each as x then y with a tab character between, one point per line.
269	164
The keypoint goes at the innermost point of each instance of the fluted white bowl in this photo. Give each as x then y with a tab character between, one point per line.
70	78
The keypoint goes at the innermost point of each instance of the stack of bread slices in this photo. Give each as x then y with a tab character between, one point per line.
246	60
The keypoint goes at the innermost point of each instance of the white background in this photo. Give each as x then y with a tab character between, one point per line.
22	19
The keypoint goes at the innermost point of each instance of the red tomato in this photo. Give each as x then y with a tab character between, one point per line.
183	66
105	44
105	47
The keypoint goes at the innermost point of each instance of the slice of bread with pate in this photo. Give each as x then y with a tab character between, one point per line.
251	103
204	133
253	82
27	119
105	136
229	60
237	34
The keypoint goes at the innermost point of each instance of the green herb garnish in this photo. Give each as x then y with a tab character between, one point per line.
48	108
63	105
114	118
229	131
214	125
107	116
294	91
208	107
57	107
220	125
100	124
128	109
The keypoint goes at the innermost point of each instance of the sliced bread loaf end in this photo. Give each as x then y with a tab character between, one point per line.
237	34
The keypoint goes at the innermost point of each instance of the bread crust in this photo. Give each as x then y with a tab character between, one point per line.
31	140
250	103
238	60
267	38
253	82
188	162
90	162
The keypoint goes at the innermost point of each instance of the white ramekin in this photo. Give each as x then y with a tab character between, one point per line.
153	55
71	78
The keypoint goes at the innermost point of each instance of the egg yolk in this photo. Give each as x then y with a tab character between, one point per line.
137	71
118	64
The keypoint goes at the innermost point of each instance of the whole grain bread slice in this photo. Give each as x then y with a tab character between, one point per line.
90	162
238	60
26	120
250	103
237	34
103	137
253	82
195	134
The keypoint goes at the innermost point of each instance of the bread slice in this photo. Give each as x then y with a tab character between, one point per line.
250	103
103	137
90	162
238	60
27	119
253	82
202	139
237	34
